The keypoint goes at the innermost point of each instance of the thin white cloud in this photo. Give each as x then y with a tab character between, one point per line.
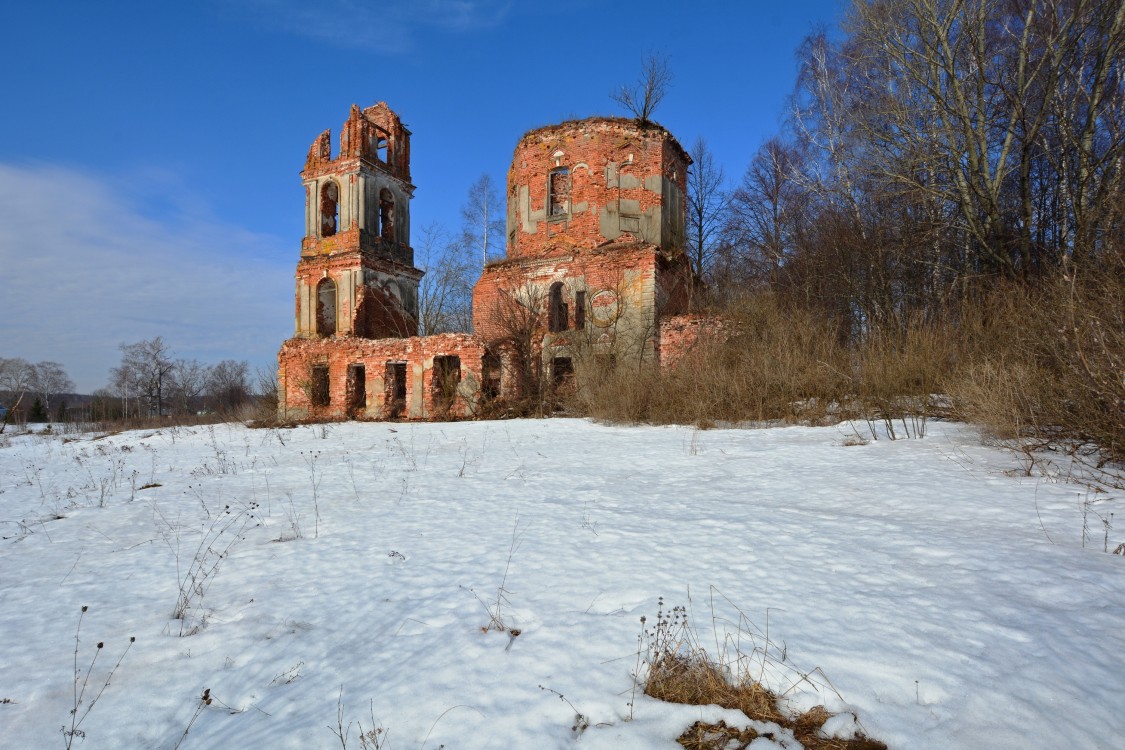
82	270
388	27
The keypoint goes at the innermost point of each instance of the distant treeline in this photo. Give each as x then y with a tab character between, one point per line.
150	383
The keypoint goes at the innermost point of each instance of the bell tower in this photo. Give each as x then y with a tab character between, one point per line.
356	275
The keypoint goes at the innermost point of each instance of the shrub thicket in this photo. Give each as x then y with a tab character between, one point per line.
1040	363
1046	364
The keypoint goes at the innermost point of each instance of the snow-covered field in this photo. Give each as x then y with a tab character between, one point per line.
946	597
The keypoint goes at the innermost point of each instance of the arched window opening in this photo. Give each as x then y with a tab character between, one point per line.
557	309
326	308
386	215
329	208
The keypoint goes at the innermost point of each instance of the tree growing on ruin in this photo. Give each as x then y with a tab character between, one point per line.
643	96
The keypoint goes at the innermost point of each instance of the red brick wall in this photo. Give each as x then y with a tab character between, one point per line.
587	147
379	315
298	356
678	334
621	270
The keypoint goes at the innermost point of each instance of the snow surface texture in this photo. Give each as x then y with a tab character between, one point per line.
947	598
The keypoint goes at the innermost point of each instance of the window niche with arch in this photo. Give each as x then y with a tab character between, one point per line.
386	215
326	308
329	208
557	309
379	145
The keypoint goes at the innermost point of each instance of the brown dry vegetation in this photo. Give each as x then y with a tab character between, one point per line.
698	682
777	364
1046	365
782	362
680	670
1040	364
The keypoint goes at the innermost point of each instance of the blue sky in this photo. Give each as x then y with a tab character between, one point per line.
149	152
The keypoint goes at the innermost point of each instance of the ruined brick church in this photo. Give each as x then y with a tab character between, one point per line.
595	272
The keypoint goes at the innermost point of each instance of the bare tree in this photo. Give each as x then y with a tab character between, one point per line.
228	385
1085	130
445	293
516	325
967	102
189	380
946	144
822	123
764	211
483	220
15	382
265	388
49	379
706	203
642	97
145	372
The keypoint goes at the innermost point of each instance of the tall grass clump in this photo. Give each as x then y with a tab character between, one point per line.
678	668
899	374
767	362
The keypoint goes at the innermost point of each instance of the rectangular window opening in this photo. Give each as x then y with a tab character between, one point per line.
395	389
562	371
558	314
319	391
490	372
558	193
446	377
357	390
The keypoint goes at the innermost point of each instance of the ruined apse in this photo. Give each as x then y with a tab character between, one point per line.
595	235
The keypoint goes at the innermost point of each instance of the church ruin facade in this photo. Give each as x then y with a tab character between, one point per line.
595	272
